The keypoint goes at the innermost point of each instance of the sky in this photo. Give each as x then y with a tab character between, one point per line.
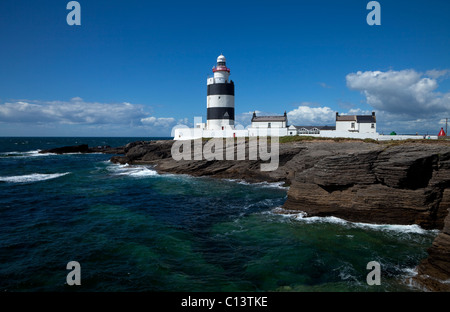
139	68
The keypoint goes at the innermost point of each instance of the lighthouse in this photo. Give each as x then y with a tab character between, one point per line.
220	98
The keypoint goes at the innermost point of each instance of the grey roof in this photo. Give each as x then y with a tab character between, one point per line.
366	119
268	118
346	118
357	118
327	128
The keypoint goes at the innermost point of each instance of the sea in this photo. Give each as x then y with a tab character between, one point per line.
132	229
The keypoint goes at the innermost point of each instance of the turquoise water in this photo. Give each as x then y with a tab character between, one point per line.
132	229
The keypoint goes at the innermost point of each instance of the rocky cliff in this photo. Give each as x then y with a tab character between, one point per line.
389	183
402	184
434	271
363	182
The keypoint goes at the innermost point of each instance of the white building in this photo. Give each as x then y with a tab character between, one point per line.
268	125
356	123
269	121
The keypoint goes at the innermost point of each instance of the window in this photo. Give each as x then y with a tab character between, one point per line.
353	125
373	126
268	125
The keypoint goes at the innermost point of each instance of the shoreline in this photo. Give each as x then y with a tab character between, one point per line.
401	183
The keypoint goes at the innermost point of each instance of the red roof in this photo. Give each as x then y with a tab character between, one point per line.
442	132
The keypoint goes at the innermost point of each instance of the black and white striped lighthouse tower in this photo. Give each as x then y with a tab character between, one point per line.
220	98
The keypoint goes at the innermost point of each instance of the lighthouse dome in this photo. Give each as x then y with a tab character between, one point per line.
221	59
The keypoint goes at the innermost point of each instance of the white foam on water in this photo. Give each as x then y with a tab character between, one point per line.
34	153
34	177
278	185
145	172
303	217
80	153
133	171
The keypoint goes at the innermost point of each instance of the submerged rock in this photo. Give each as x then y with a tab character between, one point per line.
84	149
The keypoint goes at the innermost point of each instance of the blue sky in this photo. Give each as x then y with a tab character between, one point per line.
139	68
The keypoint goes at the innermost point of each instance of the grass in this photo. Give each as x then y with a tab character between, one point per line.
304	138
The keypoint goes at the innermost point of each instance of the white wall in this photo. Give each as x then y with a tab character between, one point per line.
191	133
361	127
221	76
405	137
222	100
344	134
265	124
217	124
367	128
259	131
195	133
345	125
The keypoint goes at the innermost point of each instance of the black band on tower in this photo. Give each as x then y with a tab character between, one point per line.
220	113
221	89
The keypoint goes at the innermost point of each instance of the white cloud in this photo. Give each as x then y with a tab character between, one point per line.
158	122
401	92
99	117
435	73
406	100
245	119
324	85
75	111
405	124
311	116
357	111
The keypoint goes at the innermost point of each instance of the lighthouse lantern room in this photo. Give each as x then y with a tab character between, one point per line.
220	98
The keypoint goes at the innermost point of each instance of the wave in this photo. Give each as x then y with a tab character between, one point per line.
34	153
133	171
278	185
302	217
34	177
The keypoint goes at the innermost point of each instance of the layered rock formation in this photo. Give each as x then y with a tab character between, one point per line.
158	154
434	271
402	184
